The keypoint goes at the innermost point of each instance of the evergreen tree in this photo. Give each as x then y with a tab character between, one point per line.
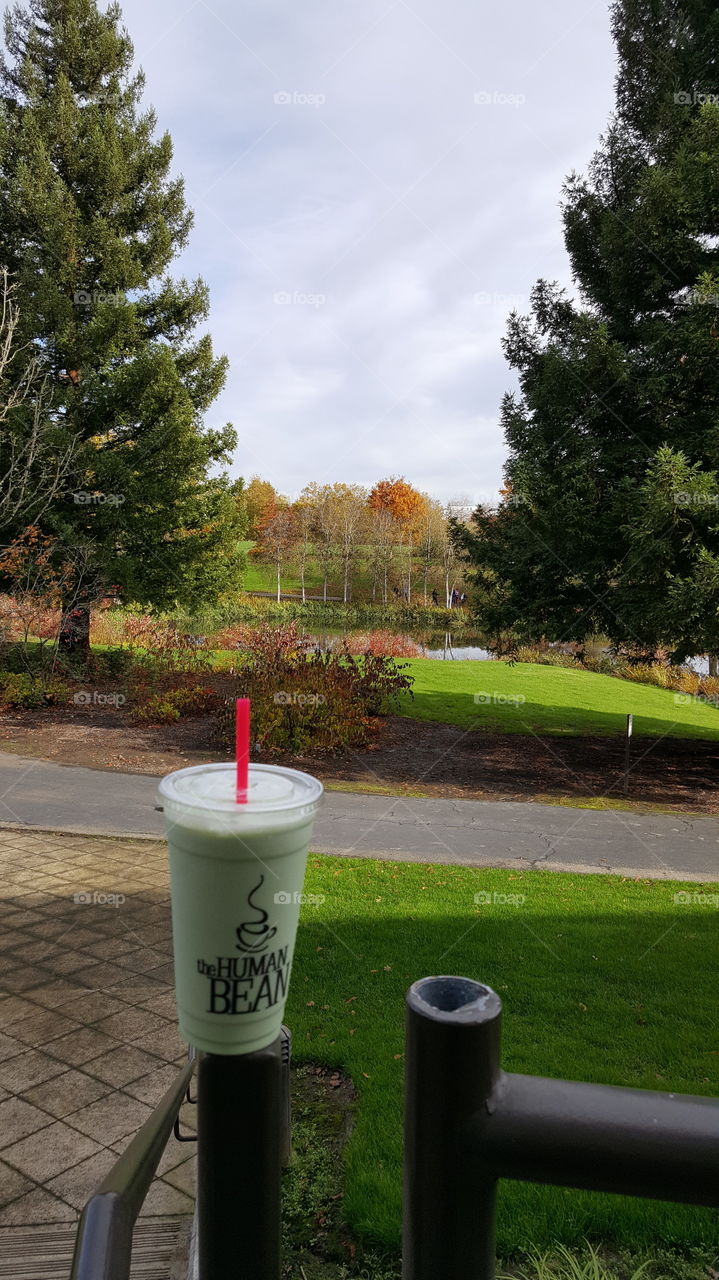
627	370
90	221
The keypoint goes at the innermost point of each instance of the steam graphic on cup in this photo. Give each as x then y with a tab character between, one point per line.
255	935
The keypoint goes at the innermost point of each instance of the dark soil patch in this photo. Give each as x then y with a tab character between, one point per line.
317	1244
409	755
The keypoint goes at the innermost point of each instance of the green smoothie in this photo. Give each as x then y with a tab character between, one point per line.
237	872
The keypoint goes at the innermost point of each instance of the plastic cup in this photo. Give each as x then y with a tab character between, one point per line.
237	873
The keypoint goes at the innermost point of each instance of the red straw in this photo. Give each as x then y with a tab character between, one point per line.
242	741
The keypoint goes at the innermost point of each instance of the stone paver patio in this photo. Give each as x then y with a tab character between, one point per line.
88	1038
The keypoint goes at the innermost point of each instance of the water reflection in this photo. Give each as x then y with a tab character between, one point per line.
458	646
446	646
456	649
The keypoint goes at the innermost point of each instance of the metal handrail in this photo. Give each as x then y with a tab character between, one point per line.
103	1245
468	1124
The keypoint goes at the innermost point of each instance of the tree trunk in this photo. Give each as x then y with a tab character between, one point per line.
713	661
324	588
302	573
74	635
279	587
347	569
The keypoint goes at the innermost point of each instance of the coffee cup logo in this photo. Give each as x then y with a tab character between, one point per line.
254	936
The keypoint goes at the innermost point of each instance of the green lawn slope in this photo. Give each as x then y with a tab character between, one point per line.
529	698
602	979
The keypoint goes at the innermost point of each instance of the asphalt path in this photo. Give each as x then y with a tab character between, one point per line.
41	795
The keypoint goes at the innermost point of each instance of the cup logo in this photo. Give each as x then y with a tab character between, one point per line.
255	981
254	936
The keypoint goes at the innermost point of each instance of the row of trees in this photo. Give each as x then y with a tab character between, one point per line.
105	381
400	538
610	521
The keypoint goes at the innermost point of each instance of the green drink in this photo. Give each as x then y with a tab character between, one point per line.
237	872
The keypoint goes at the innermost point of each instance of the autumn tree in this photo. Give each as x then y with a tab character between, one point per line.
277	540
261	503
320	500
348	516
403	505
304	516
432	540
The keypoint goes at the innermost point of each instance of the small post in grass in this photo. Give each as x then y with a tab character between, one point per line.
627	752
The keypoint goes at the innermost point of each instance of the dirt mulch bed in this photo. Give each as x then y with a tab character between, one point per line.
429	759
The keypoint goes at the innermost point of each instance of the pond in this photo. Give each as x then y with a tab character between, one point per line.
457	646
446	646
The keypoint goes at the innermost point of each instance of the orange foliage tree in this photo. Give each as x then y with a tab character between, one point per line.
396	499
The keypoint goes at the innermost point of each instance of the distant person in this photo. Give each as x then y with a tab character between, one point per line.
435	598
455	597
463	598
396	591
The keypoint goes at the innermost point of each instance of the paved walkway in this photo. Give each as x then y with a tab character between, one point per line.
40	795
88	1038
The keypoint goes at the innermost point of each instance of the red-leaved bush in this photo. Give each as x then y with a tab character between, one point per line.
388	643
307	701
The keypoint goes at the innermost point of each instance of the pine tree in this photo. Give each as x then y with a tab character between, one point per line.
627	369
90	220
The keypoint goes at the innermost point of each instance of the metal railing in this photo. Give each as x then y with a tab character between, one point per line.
244	1113
467	1124
103	1246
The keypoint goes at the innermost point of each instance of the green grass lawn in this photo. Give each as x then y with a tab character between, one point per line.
602	979
556	700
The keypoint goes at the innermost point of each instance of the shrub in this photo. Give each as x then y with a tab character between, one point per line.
112	664
389	644
710	686
234	637
546	657
166	707
28	693
307	700
159	708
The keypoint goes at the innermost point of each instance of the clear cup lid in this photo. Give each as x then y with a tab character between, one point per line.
194	795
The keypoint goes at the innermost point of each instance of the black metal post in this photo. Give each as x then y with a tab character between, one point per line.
239	1129
452	1063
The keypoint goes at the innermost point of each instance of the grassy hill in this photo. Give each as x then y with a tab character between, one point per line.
528	698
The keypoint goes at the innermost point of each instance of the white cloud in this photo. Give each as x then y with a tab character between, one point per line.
419	216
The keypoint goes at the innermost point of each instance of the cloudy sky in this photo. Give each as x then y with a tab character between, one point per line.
375	186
